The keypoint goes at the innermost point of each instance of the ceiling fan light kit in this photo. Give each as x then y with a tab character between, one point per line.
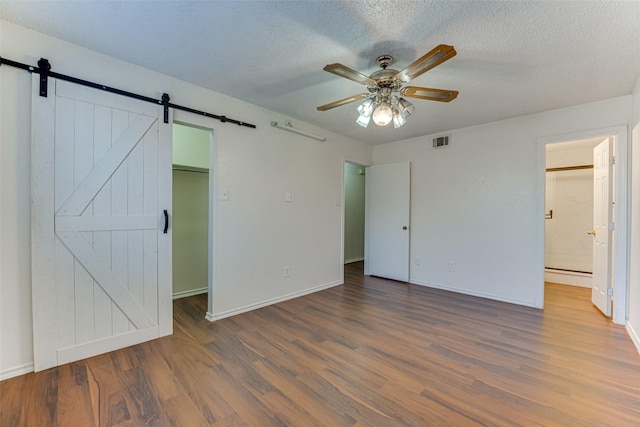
385	102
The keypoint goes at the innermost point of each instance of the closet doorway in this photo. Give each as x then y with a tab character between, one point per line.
190	210
354	210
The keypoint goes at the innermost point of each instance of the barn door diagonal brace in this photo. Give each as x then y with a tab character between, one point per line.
44	69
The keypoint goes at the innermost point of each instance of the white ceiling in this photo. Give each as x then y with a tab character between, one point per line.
514	57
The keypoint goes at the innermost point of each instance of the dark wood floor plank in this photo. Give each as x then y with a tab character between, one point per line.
372	352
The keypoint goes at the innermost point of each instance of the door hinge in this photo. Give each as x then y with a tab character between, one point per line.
612	226
613	160
610	292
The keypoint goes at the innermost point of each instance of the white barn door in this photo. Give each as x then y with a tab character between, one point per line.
101	260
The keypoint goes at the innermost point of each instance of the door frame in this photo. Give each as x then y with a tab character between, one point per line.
206	124
621	215
342	211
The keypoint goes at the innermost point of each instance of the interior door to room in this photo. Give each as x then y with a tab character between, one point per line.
101	259
387	221
602	225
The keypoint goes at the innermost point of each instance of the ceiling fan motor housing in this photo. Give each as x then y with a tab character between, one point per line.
384	61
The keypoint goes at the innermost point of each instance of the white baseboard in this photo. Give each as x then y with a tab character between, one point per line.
473	293
190	293
349	261
634	336
16	371
584	280
211	317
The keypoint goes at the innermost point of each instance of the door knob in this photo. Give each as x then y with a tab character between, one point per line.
591	232
404	227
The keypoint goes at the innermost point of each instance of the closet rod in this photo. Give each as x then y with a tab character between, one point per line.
44	69
569	168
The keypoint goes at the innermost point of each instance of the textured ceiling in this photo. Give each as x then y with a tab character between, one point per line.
514	57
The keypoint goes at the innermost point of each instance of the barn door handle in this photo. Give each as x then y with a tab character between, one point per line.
166	221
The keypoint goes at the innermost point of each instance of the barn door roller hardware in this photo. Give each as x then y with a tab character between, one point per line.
44	69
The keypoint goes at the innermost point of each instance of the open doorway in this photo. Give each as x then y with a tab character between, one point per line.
574	154
191	192
354	203
568	248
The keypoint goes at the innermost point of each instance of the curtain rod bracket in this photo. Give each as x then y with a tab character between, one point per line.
45	67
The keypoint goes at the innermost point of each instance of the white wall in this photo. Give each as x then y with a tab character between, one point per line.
257	232
633	324
354	199
190	223
190	146
477	202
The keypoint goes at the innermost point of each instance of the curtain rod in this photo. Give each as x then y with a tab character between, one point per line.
288	127
44	69
569	168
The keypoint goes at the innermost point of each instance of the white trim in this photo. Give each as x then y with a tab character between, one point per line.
165	240
213	317
622	213
16	371
571	278
105	345
472	293
349	261
634	336
108	223
193	292
45	323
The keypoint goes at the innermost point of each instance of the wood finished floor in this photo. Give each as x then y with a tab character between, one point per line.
369	353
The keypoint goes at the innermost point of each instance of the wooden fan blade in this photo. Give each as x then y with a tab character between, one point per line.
429	94
348	73
435	57
342	102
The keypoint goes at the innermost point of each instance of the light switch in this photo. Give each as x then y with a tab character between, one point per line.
288	197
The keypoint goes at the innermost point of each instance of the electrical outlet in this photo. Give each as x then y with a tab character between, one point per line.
452	266
286	271
418	260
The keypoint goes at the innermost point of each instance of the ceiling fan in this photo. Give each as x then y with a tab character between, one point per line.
385	101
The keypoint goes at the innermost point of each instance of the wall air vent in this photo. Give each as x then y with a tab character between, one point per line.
440	141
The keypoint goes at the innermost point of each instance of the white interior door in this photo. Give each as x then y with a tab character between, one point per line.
602	225
387	221
101	261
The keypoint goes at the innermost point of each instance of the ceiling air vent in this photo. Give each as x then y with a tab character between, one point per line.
441	141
